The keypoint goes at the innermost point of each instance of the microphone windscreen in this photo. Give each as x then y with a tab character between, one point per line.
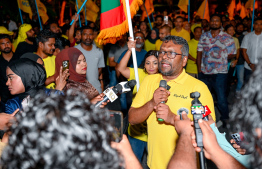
163	84
131	83
117	88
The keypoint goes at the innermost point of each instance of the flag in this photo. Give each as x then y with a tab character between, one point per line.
182	4
203	8
91	9
25	6
61	20
231	9
249	4
42	11
149	7
238	5
113	20
243	13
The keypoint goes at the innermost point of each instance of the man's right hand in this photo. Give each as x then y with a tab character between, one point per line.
131	44
161	94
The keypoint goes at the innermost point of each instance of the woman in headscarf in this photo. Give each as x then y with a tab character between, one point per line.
33	57
25	79
77	70
150	43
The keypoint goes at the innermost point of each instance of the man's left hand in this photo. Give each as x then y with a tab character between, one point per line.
163	112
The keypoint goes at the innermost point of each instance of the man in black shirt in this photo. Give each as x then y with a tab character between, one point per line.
28	44
5	57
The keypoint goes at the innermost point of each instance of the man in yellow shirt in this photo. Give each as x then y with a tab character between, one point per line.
148	105
163	32
179	30
191	67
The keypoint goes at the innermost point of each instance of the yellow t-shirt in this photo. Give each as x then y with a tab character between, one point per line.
236	43
161	137
149	46
138	131
50	69
158	44
183	33
191	66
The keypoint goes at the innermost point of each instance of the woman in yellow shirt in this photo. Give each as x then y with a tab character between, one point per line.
137	134
150	43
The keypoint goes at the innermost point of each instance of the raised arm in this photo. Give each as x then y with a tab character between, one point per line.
72	29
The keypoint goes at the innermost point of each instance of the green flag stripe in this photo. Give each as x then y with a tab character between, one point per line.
107	5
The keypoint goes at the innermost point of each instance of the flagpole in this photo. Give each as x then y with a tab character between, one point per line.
132	38
148	17
20	13
38	16
253	15
188	12
79	20
153	17
78	11
85	15
204	9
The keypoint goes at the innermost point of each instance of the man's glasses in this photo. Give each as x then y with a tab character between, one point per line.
138	37
170	55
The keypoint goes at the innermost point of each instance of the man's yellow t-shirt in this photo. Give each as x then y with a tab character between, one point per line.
191	66
50	69
161	137
158	44
183	33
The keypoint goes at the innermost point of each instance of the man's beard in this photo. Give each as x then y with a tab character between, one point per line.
78	41
6	50
214	28
31	39
239	33
87	43
169	73
49	54
139	45
59	34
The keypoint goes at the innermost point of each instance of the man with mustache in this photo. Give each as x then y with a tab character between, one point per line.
46	48
94	57
214	49
148	104
6	56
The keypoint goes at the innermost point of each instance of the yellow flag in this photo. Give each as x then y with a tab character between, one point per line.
42	11
149	8
24	6
204	8
243	13
91	9
182	4
249	4
231	9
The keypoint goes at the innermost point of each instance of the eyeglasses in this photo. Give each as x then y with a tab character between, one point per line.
170	55
138	37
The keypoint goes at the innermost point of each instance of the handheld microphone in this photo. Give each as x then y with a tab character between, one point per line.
163	84
198	111
111	94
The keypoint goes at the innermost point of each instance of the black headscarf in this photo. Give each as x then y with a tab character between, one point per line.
32	74
157	36
31	56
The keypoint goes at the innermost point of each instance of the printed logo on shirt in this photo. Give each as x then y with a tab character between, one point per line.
181	96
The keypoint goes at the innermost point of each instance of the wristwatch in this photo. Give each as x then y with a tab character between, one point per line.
249	64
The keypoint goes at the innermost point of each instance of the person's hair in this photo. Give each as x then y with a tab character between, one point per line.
166	27
44	35
238	24
257	19
180	18
147	28
140	33
246	116
77	29
5	36
179	41
49	23
217	15
61	43
159	16
149	53
61	132
86	27
228	26
198	27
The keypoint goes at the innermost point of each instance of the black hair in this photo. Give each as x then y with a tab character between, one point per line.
180	18
217	15
61	43
44	35
140	33
197	28
228	26
159	16
49	23
5	36
180	41
86	27
238	24
257	19
149	53
61	132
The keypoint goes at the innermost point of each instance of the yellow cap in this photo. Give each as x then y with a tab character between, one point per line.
3	30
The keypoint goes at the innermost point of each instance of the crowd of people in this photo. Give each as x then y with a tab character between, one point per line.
51	79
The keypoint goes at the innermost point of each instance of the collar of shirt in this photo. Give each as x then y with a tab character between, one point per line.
210	35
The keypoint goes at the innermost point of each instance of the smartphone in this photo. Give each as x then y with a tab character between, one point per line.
238	137
166	19
65	65
117	121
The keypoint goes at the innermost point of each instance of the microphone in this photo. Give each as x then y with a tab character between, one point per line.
163	84
111	94
179	112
